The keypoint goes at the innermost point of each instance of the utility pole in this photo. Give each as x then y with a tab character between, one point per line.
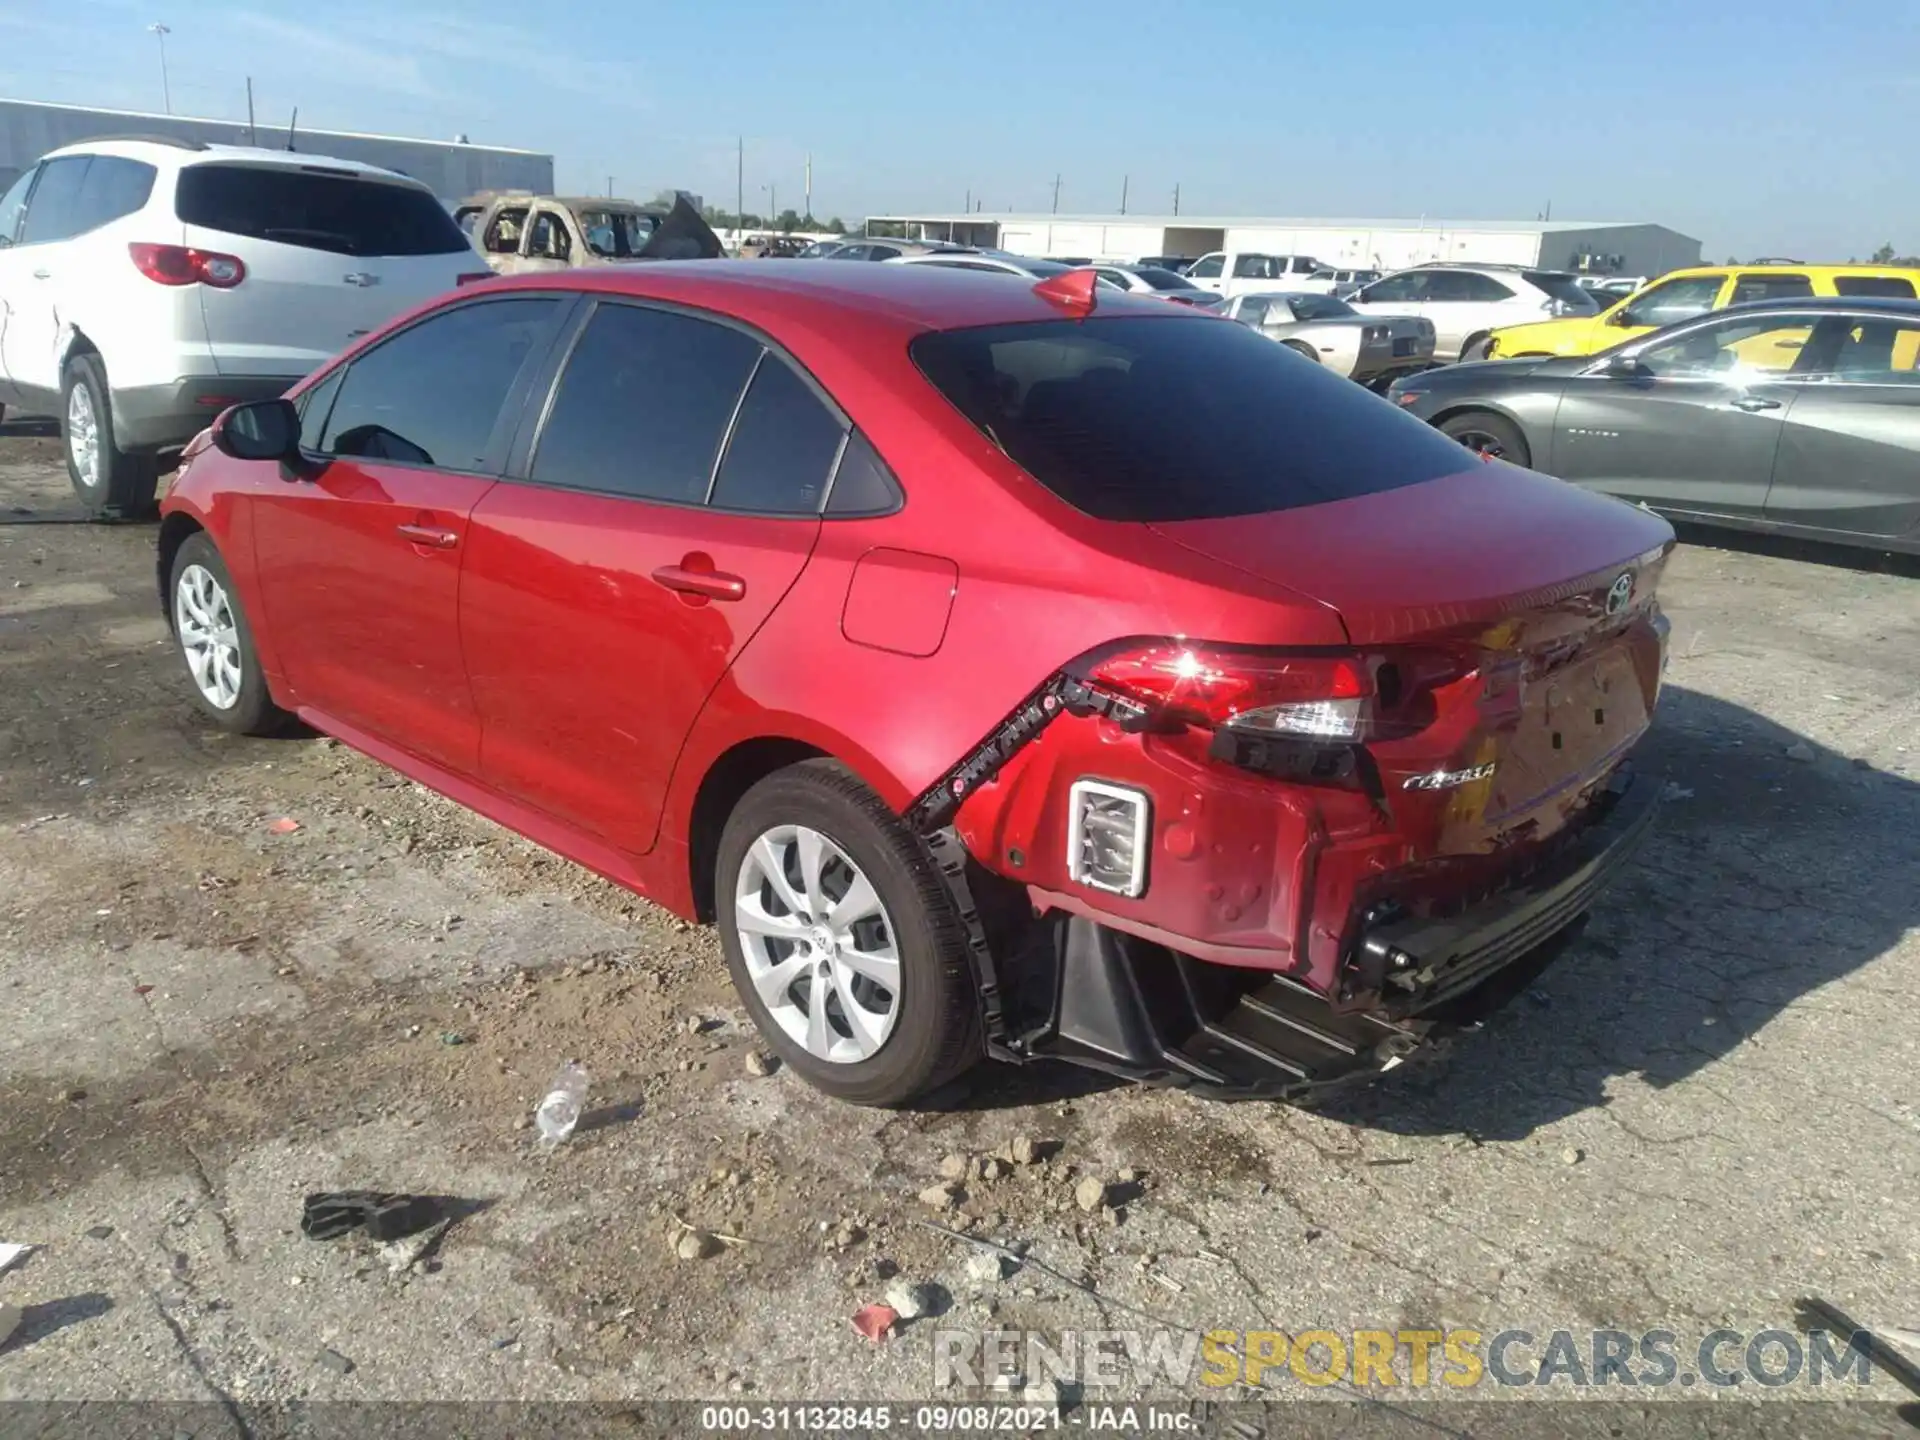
1123	193
252	137
807	214
609	187
1176	198
740	192
160	33
968	207
1056	194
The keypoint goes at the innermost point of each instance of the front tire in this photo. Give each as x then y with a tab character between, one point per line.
1486	434
842	939
1300	347
1475	348
111	483
216	643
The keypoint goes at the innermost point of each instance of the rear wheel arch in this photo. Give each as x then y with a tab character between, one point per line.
727	780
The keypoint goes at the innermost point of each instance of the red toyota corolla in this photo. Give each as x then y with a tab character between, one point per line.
1007	669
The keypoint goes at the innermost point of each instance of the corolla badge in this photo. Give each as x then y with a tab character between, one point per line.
1448	779
1620	592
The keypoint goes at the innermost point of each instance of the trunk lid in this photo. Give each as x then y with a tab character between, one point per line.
1540	595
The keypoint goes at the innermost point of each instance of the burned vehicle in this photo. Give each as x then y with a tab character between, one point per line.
520	233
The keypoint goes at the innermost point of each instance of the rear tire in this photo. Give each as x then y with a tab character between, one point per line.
216	644
908	1037
1475	348
1487	434
1300	347
112	483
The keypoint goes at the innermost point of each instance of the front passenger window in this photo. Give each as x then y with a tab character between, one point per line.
1206	268
13	205
434	394
1676	300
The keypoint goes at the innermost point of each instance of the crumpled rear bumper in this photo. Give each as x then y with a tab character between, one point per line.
1133	1008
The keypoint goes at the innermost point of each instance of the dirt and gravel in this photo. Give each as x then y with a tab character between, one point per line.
1707	1109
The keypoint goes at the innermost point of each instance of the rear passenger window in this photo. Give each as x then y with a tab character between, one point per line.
1747	288
433	394
644	405
782	449
862	485
113	189
1886	287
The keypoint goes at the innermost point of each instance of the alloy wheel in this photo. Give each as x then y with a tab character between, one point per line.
209	636
1481	443
820	947
83	436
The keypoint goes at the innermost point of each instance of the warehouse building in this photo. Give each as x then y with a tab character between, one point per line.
452	169
1594	247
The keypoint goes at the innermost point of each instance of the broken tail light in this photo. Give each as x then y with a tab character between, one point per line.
1326	697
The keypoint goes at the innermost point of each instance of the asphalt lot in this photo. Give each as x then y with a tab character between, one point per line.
1706	1110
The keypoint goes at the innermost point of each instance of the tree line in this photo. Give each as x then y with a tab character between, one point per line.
786	222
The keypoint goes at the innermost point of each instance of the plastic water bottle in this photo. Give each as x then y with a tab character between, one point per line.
566	1097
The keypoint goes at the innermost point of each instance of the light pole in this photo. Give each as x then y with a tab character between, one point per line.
773	205
160	33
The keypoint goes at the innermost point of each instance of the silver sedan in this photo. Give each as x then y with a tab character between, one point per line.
1372	349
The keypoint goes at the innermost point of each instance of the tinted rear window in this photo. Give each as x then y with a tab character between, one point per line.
1888	287
1164	279
1561	286
1157	419
334	212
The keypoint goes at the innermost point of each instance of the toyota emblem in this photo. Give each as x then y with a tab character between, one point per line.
1620	592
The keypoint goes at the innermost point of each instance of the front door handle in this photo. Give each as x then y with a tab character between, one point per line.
1751	403
696	581
43	274
431	536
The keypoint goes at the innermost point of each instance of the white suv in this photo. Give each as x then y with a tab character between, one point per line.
145	285
1467	303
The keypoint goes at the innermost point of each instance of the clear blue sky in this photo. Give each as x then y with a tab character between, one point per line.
1760	126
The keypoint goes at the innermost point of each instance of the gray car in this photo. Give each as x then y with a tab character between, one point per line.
1793	416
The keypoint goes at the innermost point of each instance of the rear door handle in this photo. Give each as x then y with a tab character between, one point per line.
43	274
1751	403
429	535
699	581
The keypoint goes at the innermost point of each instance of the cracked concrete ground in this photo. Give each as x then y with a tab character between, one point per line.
1707	1109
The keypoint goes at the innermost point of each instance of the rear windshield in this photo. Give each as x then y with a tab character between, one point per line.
1176	418
1159	279
335	211
1561	286
1320	307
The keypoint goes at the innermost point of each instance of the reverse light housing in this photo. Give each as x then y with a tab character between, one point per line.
1108	830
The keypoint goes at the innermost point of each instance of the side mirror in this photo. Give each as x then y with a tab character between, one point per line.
1622	367
262	430
1622	316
